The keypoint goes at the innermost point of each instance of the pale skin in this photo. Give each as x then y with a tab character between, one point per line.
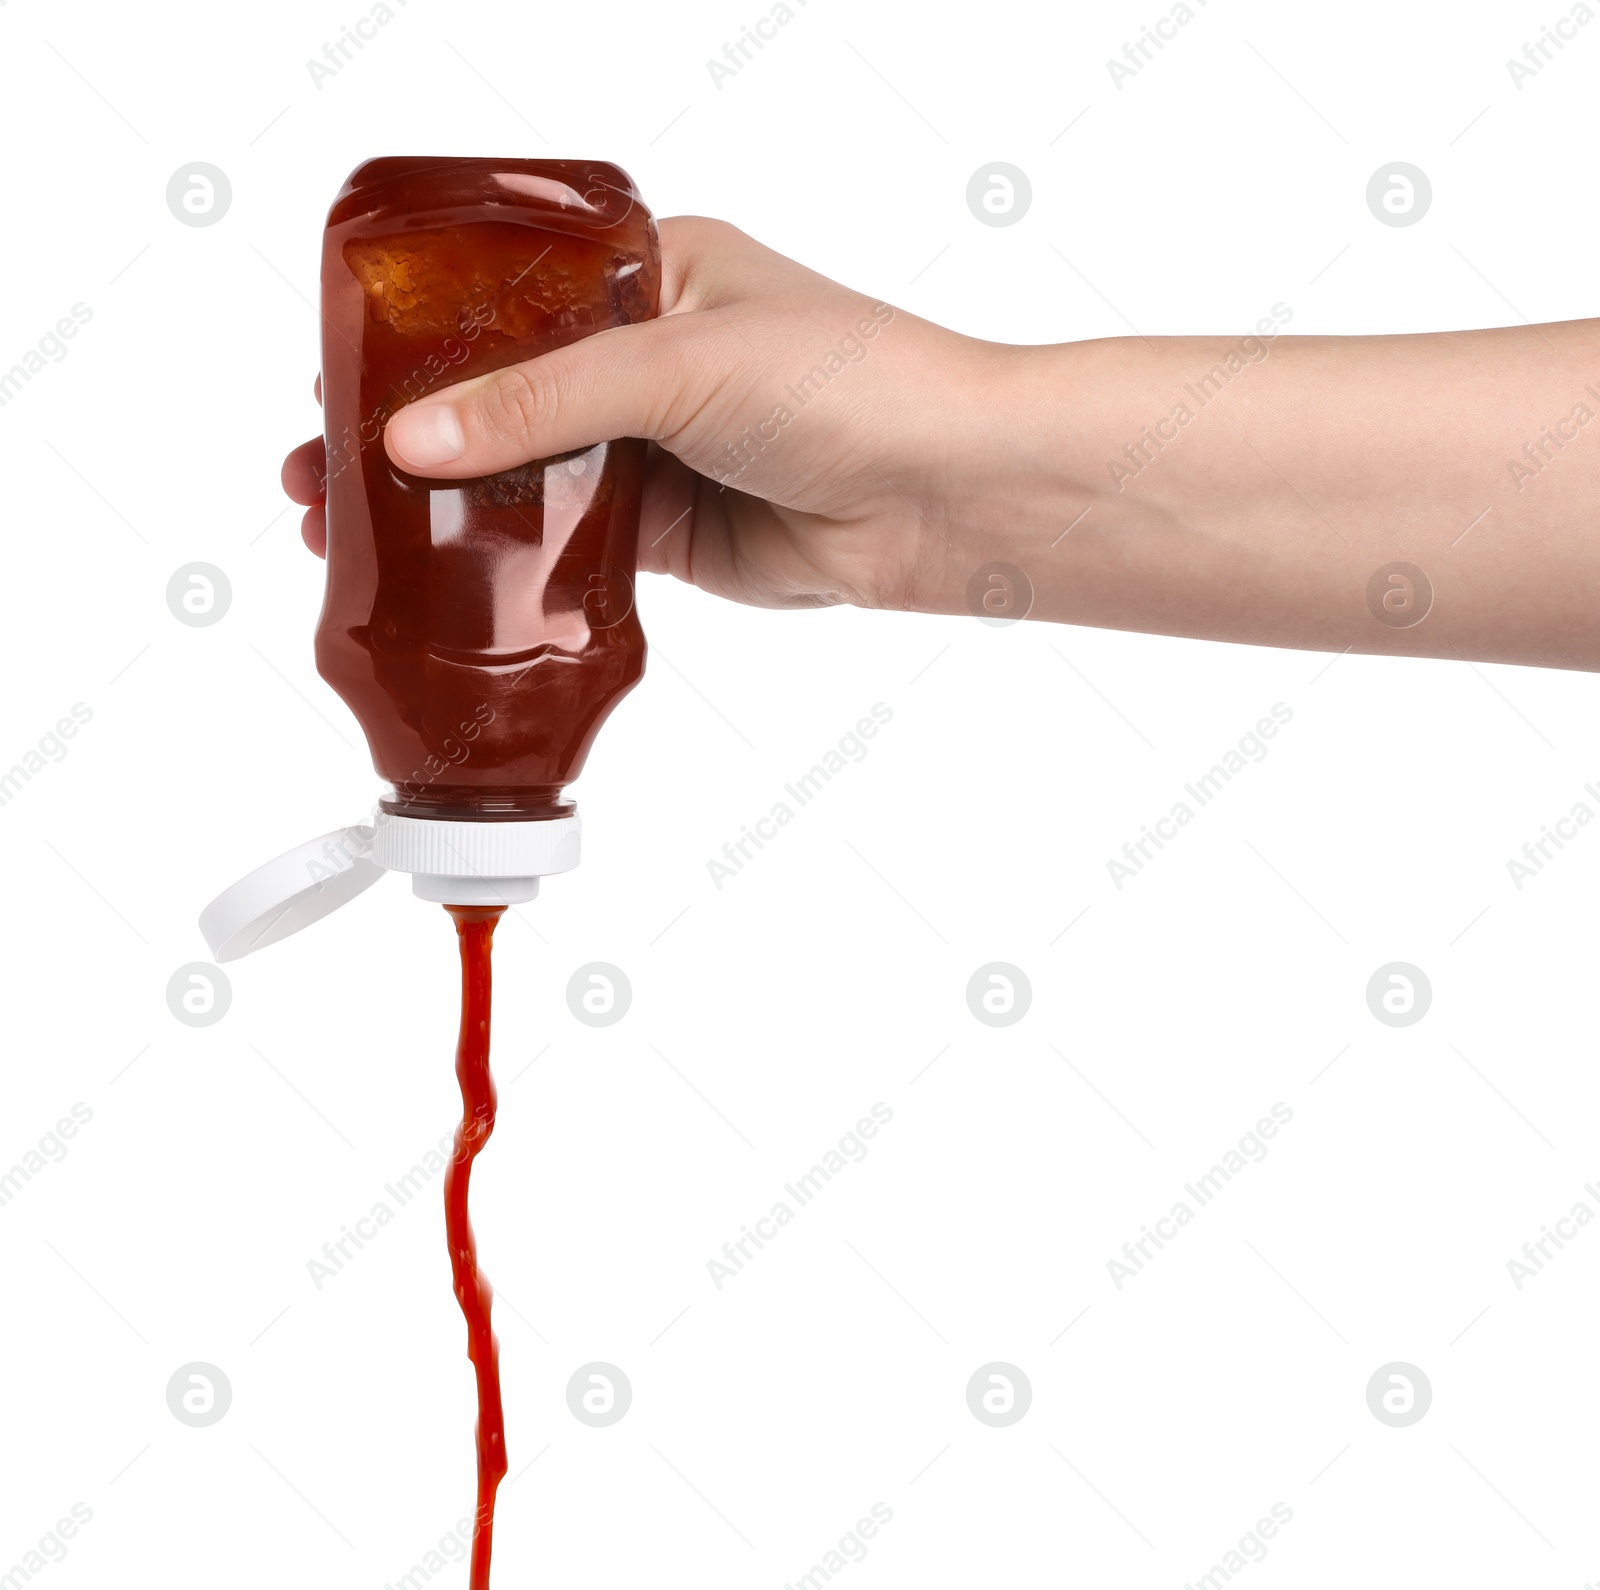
1312	464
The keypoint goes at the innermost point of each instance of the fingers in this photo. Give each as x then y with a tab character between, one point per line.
314	530
305	480
667	515
641	380
305	474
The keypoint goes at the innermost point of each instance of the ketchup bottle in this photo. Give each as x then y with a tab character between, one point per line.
480	630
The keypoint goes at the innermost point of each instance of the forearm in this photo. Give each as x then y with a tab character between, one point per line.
1254	498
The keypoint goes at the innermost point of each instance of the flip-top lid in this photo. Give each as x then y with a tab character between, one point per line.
290	892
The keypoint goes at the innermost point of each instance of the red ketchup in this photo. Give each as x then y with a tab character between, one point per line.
475	926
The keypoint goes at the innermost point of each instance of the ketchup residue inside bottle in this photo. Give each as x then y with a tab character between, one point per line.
475	928
480	630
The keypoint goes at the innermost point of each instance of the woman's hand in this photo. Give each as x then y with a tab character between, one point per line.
805	435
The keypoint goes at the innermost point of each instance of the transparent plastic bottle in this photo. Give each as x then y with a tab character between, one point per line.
480	630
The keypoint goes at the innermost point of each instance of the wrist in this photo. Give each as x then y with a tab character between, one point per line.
1019	481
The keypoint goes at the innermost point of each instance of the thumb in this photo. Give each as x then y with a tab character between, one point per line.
626	381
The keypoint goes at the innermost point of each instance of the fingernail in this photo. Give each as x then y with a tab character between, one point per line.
427	434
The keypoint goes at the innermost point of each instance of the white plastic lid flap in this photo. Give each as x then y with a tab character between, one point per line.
298	888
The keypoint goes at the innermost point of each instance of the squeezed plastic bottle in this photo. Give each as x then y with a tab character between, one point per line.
480	630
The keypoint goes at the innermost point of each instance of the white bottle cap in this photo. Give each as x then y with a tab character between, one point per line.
453	863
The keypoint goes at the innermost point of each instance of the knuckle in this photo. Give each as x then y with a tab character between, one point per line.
701	229
515	404
703	258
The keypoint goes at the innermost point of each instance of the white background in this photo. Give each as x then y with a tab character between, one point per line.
1167	1416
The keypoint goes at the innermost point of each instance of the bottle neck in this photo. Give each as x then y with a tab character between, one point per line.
483	803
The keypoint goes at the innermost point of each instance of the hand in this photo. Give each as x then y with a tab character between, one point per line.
811	446
805	436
